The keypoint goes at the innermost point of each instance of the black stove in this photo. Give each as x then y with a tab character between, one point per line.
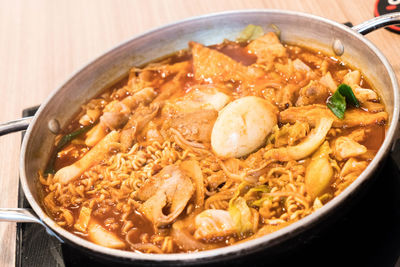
367	234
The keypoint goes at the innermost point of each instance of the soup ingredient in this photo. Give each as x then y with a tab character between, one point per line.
212	66
312	113
62	143
193	170
142	116
242	126
345	147
83	219
319	171
305	148
94	156
194	125
241	214
347	92
182	237
313	93
171	189
203	97
267	48
250	33
71	136
97	234
117	113
211	224
337	102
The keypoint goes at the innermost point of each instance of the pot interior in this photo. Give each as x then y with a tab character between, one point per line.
295	28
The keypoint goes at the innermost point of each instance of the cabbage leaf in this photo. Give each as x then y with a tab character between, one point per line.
250	33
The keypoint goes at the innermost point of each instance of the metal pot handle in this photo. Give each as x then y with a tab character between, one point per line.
17	215
24	216
15	126
367	27
377	23
20	214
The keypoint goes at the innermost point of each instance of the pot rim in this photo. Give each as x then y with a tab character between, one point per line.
248	246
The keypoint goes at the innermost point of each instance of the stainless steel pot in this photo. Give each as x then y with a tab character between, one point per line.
328	36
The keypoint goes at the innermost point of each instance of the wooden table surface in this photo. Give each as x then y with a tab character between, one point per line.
43	42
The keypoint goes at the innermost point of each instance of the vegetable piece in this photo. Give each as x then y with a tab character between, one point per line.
241	215
239	210
83	220
305	148
62	143
260	201
182	237
213	223
337	102
101	236
69	137
352	78
319	172
347	92
328	81
260	188
251	32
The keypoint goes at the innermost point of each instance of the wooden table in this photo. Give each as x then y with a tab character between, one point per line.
43	42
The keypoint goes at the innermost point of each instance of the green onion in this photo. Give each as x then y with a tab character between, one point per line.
62	143
346	91
337	102
69	137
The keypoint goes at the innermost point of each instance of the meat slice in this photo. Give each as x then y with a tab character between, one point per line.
213	66
194	125
312	114
165	195
364	95
353	168
117	114
344	147
267	48
314	92
142	116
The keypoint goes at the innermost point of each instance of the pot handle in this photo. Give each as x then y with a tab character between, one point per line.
24	216
365	28
19	214
15	126
377	23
